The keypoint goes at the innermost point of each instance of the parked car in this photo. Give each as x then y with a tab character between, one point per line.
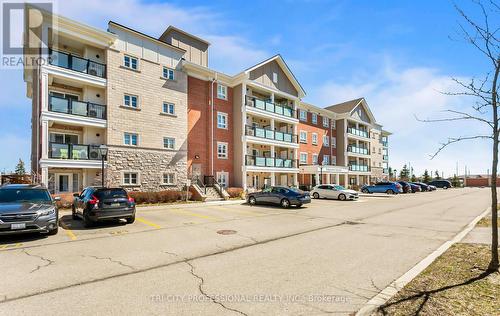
26	208
383	187
442	184
406	186
332	191
280	196
432	188
415	188
98	204
424	187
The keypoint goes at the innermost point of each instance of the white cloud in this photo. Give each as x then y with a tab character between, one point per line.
395	96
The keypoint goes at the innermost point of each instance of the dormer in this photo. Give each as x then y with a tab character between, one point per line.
195	47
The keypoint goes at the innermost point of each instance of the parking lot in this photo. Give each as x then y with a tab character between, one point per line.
328	256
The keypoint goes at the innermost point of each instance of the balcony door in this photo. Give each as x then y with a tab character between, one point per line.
64	138
66	182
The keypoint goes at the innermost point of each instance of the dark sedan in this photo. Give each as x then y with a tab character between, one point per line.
27	208
424	187
279	196
97	204
415	188
406	186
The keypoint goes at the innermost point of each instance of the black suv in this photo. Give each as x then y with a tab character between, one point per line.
26	208
96	204
444	184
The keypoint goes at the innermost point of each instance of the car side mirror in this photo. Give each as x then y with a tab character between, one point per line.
76	194
57	198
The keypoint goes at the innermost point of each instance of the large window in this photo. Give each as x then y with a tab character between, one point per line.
223	178
303	115
168	73
303	158
222	150
314	138
130	101
314	118
221	92
168	108
62	138
326	121
303	137
334	142
222	120
130	178
326	160
168	142
315	159
130	62
130	139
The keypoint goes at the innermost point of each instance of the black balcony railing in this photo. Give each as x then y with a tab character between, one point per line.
270	162
74	151
270	134
269	106
76	63
81	108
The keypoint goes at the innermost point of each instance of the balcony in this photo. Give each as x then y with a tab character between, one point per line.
357	132
80	108
385	171
76	63
74	151
270	162
358	150
385	144
270	134
360	168
385	157
270	107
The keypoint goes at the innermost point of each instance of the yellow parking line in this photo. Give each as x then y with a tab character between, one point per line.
142	220
196	214
68	231
7	246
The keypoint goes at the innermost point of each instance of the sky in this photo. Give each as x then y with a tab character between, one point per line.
400	55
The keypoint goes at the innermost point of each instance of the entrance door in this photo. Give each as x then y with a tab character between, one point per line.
284	180
63	184
222	178
196	170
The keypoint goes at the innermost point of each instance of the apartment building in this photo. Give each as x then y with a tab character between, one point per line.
167	119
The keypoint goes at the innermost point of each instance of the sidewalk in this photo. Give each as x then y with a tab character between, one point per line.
479	235
188	205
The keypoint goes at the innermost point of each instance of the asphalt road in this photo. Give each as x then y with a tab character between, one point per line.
329	256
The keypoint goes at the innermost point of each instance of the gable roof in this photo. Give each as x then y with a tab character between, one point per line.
172	28
344	107
279	59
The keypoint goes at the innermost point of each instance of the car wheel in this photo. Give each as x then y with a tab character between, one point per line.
365	191
252	200
389	191
285	203
53	232
445	187
87	222
131	220
316	195
342	197
73	213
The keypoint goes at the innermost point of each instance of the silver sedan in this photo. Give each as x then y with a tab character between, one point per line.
333	191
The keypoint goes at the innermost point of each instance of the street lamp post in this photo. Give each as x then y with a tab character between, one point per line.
103	150
321	172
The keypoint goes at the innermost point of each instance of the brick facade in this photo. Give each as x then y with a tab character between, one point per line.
318	128
199	131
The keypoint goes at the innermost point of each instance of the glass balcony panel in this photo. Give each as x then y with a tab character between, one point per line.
260	104
269	134
270	162
79	108
260	161
269	107
79	64
79	152
60	105
59	151
288	138
260	132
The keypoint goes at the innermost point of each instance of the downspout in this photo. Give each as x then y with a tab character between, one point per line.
214	80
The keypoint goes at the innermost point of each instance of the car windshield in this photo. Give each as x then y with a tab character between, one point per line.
24	195
339	187
110	193
295	190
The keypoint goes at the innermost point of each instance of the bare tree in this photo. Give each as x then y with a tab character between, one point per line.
485	37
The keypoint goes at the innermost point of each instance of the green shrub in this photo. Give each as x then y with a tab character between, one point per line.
168	196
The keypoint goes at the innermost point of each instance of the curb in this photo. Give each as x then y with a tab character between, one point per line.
189	205
393	288
375	195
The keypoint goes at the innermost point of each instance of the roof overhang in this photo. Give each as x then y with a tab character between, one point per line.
205	73
172	28
314	109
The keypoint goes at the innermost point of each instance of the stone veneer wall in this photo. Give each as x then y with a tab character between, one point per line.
150	166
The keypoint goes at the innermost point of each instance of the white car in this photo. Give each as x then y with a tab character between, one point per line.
333	191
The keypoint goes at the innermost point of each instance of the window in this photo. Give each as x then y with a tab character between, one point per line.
130	178
62	138
333	124
130	139
168	73
168	178
168	142
168	108
379	151
326	121
334	142
222	120
334	160
303	115
221	92
314	139
326	160
326	143
130	101
221	150
315	159
314	118
303	158
275	77
130	62
303	137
